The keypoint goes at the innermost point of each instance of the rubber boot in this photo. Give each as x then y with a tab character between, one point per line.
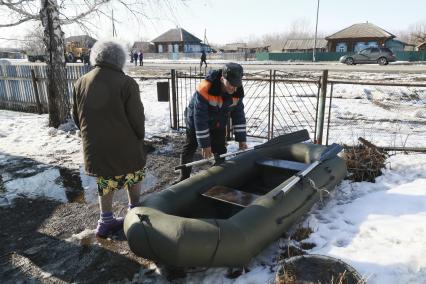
218	160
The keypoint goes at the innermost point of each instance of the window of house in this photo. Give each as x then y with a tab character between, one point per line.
341	47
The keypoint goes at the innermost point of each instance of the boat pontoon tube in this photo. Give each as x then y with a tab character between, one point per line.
178	226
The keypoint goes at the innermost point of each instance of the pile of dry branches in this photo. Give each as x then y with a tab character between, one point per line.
364	161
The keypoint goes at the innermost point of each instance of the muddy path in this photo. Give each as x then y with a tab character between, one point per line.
49	241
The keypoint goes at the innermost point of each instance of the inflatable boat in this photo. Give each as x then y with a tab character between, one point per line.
227	214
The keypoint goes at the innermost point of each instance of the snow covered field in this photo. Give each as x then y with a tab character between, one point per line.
378	228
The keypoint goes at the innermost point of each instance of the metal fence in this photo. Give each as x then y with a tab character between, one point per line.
273	104
24	87
234	56
389	113
332	56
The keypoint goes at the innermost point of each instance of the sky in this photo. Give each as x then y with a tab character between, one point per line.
377	228
227	21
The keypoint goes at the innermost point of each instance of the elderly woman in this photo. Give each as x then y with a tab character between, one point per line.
109	113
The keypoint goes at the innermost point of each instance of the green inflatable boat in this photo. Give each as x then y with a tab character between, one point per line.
227	214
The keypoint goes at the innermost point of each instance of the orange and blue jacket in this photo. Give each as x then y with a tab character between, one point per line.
210	108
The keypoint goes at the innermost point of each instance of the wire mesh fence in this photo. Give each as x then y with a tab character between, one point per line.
387	114
294	104
273	104
390	114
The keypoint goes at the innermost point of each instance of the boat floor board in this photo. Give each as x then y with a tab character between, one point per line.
283	164
230	195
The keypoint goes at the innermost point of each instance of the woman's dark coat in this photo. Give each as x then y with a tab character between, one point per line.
109	113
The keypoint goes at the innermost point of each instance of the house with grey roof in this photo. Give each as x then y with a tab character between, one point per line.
243	47
144	46
12	53
421	46
358	37
179	40
305	45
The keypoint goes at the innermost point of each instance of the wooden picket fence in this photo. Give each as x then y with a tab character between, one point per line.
24	87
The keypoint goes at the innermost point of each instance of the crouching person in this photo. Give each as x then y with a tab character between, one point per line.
218	97
109	113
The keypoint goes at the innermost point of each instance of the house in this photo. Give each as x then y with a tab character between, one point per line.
144	46
254	49
233	47
421	47
396	44
11	53
305	45
358	37
84	40
179	40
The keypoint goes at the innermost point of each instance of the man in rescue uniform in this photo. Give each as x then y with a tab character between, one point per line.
218	97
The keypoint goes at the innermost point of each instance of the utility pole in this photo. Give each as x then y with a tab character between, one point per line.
205	41
316	31
114	32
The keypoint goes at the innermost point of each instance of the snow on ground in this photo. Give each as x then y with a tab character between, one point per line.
378	228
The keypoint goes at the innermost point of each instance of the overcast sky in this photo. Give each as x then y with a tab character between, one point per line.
228	21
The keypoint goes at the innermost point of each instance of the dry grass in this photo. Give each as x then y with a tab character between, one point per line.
364	161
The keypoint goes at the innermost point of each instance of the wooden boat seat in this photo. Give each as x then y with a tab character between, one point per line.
283	164
230	195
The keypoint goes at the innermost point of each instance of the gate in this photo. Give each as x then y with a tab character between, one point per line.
274	104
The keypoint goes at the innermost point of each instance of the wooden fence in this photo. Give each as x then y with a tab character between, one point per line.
24	87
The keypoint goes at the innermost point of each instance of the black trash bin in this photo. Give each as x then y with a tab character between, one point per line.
163	91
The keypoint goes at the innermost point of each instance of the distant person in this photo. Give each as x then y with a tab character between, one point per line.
135	58
109	113
218	97
203	59
141	58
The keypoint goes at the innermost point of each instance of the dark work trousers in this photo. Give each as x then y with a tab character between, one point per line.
217	142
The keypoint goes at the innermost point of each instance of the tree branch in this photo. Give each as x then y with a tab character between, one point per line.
19	22
90	9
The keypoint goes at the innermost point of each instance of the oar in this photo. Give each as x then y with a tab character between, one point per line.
329	153
286	139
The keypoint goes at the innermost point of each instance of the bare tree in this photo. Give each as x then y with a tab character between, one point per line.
49	13
298	29
418	32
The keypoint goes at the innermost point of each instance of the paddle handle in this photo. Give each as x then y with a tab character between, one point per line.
211	159
296	179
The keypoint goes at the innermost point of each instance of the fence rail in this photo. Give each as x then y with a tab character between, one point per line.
235	56
24	87
332	56
388	113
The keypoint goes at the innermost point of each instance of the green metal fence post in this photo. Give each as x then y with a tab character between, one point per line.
174	100
321	107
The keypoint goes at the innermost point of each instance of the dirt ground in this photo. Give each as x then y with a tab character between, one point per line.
37	242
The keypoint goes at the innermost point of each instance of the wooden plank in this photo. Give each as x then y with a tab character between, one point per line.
230	195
